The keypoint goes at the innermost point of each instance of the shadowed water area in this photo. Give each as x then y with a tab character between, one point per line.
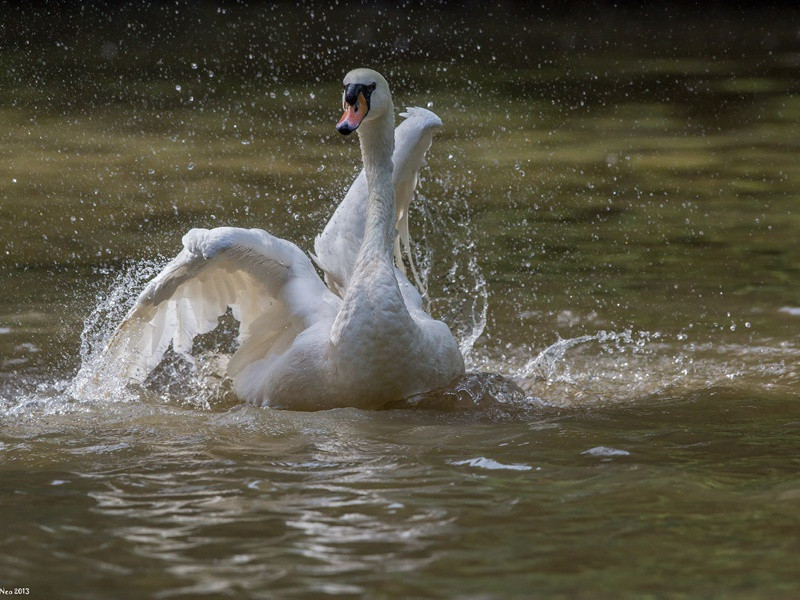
610	214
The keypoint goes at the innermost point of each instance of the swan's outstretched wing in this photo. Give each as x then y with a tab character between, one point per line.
269	283
337	246
410	145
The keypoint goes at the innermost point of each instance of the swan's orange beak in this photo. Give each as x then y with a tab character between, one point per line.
353	115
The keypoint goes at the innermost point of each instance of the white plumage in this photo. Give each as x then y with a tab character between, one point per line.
364	341
338	244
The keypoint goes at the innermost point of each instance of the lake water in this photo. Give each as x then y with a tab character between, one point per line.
612	209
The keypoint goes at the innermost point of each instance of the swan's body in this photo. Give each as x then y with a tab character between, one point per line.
301	345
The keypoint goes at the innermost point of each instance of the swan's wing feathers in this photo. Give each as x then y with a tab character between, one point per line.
413	138
250	271
337	246
422	117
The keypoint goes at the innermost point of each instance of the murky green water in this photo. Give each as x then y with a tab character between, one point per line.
633	179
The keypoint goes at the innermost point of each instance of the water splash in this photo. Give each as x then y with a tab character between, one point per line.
606	367
195	381
96	380
640	366
543	366
477	313
462	299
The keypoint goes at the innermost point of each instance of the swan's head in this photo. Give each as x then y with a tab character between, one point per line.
366	96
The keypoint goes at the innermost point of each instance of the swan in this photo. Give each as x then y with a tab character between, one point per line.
363	342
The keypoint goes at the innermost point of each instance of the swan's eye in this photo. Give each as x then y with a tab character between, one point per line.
358	95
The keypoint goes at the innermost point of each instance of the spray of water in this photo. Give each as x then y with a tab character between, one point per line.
462	301
603	367
96	380
544	365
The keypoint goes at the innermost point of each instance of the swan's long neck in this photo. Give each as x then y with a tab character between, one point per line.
373	310
377	146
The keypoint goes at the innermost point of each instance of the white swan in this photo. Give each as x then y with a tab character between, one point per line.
300	345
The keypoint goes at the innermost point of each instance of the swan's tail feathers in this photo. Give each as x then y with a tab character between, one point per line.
269	284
